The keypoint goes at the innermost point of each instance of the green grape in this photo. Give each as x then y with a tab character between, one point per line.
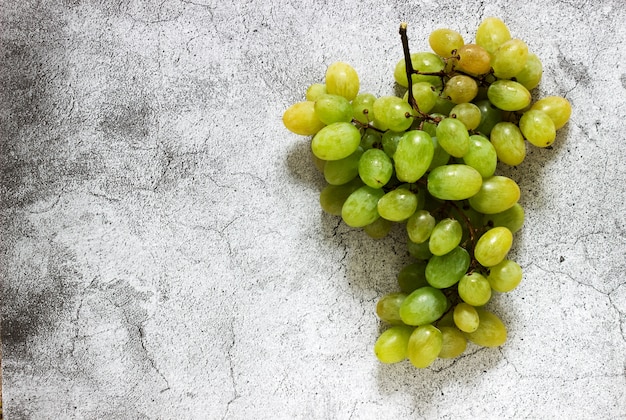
390	140
509	59
320	164
425	62
420	251
446	236
491	33
392	344
361	207
371	139
397	205
508	141
412	277
473	59
538	128
465	317
440	156
557	108
332	197
454	342
423	306
363	108
452	135
491	332
375	168
378	229
489	116
508	95
481	156
424	346
424	94
413	155
445	41
343	80
496	194
505	276
300	118
446	320
333	108
493	246
512	219
474	289
454	182
337	172
443	106
336	141
460	89
530	76
315	91
446	270
394	113
468	113
420	225
388	308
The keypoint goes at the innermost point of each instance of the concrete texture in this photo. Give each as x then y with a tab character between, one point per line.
164	255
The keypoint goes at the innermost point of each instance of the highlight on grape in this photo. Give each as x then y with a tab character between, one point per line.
428	161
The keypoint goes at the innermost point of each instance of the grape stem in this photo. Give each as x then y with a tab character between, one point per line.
408	65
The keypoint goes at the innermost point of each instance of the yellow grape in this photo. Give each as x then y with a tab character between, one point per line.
343	80
557	108
453	344
491	331
300	118
444	41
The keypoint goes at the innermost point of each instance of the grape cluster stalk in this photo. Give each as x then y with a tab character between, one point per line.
428	160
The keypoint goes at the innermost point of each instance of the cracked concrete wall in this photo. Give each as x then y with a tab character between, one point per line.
164	254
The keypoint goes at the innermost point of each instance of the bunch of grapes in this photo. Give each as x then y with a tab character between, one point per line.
428	160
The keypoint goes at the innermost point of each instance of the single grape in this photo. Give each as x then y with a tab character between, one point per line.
375	168
512	219
446	236
394	113
336	141
442	107
412	277
388	308
390	140
538	128
474	289
419	250
530	76
453	344
446	270
333	108
424	346
371	139
315	91
397	205
425	62
454	182
361	207
440	156
300	118
452	135
337	172
468	113
392	344
491	332
333	197
505	276
491	33
378	229
413	155
508	95
466	317
493	246
473	59
481	156
445	41
423	306
447	320
425	95
489	116
363	107
557	108
509	59
508	141
496	194
420	225
343	80
460	89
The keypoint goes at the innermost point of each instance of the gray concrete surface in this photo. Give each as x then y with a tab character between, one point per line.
164	255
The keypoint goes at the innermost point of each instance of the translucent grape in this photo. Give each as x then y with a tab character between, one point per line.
363	107
333	197
423	306
394	113
509	59
481	156
343	80
397	205
440	156
512	219
493	246
508	95
375	168
444	41
446	270
371	139
465	317
489	116
420	225
390	140
538	128
315	91
412	277
496	194
491	332
530	76
424	94
424	346
491	33
337	172
425	62
557	108
474	289
508	141
388	308
300	118
413	155
452	135
336	141
378	229
460	89
419	251
454	182
505	276
473	59
333	108
392	344
454	342
447	320
469	114
446	235
361	207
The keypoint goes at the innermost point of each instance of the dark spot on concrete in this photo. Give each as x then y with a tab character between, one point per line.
134	122
622	79
576	70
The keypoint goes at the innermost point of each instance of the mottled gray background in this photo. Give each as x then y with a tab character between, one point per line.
163	253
